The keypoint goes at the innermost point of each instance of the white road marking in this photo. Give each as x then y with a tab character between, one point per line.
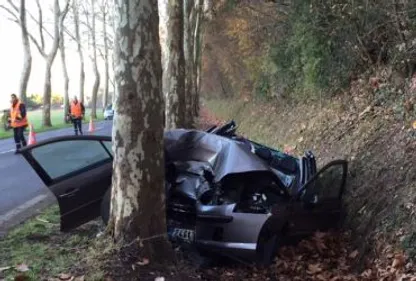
12	213
6	151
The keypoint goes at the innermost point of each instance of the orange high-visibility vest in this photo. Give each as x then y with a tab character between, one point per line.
14	114
76	109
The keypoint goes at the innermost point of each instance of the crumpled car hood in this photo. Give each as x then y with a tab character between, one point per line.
225	156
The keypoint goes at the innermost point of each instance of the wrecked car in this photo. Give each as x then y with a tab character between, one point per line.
225	194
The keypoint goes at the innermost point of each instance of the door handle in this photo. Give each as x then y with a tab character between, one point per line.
69	192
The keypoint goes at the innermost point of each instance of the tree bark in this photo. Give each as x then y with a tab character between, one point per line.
79	50
106	64
50	57
189	27
175	73
27	54
64	69
197	56
95	66
138	192
47	94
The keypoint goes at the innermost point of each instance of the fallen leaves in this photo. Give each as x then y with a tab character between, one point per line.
64	276
353	254
67	277
325	257
22	267
143	262
314	269
399	261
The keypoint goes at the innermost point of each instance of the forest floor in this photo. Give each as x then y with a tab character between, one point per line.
37	250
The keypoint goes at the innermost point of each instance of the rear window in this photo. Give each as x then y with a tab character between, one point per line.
109	107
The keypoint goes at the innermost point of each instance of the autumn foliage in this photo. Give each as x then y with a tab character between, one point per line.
326	257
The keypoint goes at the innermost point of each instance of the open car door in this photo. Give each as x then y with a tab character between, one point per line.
78	170
319	201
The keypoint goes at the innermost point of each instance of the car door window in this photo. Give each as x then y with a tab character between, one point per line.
327	184
65	157
109	146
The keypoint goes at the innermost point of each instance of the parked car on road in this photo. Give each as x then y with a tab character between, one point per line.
224	194
109	112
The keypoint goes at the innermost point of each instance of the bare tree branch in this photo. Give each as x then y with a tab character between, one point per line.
9	11
40	25
38	46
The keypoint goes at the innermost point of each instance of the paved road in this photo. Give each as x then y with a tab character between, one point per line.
21	190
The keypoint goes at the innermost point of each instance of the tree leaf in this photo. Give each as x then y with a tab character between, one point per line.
313	269
353	255
65	276
143	262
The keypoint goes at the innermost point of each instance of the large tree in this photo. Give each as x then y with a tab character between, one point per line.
175	73
138	193
90	14
104	11
77	37
197	55
189	25
58	17
27	55
64	67
18	15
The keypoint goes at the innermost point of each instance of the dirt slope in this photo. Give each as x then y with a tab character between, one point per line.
379	146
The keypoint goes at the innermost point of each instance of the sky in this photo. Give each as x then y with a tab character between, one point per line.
11	59
11	62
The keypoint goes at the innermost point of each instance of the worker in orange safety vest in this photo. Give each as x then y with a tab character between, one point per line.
76	112
18	121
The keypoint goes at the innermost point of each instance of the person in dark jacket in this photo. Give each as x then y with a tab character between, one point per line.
18	121
77	112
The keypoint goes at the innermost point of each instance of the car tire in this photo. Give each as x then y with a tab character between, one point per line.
268	246
105	206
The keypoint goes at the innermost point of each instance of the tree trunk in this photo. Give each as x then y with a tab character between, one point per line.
138	192
80	52
175	73
64	69
47	94
49	62
27	55
95	66
106	64
197	56
189	16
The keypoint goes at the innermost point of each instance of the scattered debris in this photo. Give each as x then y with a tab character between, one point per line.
42	220
5	268
22	267
143	262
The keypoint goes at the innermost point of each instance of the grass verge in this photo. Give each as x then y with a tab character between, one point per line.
47	252
57	119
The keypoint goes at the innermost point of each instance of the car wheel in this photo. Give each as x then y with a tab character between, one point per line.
105	206
268	247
